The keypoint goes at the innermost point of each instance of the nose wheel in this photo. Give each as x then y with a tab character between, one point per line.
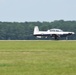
67	38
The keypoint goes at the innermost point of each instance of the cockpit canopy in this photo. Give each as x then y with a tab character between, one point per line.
56	30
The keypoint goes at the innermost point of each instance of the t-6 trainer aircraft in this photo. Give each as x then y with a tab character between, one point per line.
54	33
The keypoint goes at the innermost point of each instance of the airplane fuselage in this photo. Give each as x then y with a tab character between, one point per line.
56	33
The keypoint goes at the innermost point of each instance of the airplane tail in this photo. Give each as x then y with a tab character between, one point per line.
36	30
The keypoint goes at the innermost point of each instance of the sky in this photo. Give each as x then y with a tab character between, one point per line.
37	10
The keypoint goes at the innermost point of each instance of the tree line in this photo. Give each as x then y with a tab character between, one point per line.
24	30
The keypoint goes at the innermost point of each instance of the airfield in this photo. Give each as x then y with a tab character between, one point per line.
37	57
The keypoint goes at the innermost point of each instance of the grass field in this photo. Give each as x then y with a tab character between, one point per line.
37	57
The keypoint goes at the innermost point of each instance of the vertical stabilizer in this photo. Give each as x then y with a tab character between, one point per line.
36	30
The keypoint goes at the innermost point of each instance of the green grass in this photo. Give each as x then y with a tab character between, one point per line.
37	57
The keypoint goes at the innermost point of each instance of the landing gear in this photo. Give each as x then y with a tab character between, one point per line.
66	37
55	37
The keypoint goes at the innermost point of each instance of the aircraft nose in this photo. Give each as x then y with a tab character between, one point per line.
72	33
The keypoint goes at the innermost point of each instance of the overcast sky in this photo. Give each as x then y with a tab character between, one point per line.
37	10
